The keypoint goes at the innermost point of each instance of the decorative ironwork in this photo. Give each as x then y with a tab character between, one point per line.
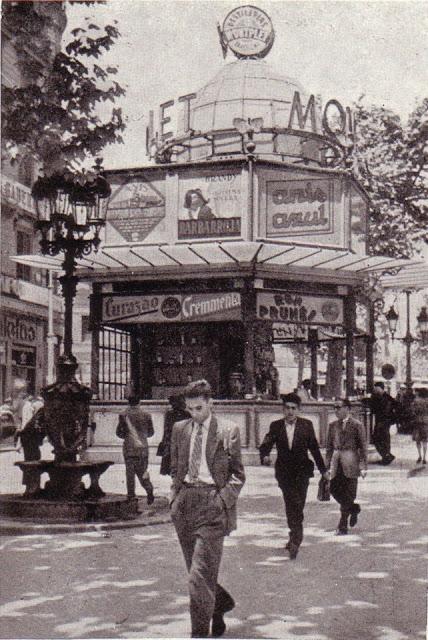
70	214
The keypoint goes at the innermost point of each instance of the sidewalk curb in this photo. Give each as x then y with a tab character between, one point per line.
16	528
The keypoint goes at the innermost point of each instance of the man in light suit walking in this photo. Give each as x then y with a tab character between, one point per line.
346	455
207	476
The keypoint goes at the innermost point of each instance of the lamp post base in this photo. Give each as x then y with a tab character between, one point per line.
40	510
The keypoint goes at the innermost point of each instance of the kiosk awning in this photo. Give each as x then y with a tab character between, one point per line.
135	258
411	278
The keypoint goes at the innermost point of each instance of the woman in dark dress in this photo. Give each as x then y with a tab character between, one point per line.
175	413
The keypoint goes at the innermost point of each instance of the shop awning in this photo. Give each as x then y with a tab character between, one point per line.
410	278
136	258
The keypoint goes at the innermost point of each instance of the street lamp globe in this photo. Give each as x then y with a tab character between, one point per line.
392	318
422	319
71	212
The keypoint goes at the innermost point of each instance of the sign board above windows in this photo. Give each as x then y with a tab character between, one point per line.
296	207
210	204
136	207
291	307
200	307
160	205
305	207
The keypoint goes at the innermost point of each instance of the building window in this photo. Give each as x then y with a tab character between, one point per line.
23	247
115	363
24	366
25	171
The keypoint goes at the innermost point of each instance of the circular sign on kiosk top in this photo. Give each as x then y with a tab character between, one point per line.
248	32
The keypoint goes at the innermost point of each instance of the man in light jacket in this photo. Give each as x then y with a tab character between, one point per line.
207	476
346	456
135	426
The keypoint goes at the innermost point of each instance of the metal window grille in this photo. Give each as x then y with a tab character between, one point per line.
114	363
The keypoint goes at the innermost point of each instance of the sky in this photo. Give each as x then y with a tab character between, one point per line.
341	50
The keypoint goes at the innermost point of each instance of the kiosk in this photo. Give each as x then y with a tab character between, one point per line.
245	231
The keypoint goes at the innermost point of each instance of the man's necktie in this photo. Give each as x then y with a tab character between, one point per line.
195	459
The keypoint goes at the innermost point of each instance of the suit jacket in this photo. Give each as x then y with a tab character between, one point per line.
135	441
347	446
223	455
292	461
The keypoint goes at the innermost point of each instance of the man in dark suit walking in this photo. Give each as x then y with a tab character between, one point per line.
207	476
294	437
346	455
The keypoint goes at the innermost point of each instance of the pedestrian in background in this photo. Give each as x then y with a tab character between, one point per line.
294	437
420	423
30	438
134	427
7	420
304	392
385	411
207	476
175	413
346	458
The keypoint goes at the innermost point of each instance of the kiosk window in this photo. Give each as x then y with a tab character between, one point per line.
115	363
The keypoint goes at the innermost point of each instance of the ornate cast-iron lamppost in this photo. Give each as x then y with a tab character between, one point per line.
70	215
422	320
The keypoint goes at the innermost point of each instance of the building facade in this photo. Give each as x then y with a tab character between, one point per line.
28	296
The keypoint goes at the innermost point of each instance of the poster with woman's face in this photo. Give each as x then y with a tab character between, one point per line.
210	205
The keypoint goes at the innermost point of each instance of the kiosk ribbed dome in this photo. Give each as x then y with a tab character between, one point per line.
244	89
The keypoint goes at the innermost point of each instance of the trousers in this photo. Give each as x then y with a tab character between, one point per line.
136	465
382	439
294	494
199	518
344	491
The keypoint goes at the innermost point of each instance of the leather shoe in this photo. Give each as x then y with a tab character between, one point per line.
218	626
150	498
341	532
354	515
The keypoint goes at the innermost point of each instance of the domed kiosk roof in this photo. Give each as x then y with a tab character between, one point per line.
245	88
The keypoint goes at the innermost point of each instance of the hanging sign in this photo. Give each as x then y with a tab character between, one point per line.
297	207
199	307
299	309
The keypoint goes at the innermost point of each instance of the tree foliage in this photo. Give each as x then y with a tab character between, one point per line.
59	115
390	160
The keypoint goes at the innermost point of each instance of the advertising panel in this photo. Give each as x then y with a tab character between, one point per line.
137	206
200	307
358	222
210	205
299	207
283	332
290	307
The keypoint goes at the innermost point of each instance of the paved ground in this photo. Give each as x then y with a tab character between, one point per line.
130	583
